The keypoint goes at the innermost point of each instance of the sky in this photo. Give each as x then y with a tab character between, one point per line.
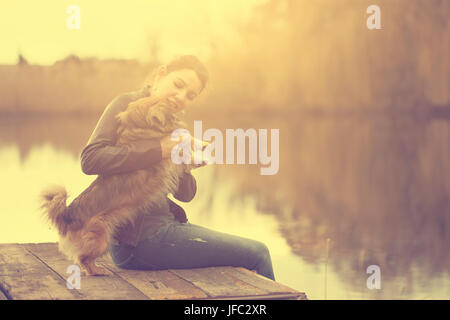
116	29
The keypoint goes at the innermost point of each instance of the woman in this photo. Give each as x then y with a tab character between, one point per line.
163	238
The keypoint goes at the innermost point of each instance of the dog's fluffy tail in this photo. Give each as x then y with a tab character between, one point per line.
53	203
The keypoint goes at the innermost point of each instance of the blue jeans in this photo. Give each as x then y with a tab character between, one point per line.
184	246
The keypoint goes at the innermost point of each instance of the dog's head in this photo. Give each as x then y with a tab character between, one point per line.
148	112
161	117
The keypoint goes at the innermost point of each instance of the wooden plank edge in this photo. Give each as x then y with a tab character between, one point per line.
259	281
289	296
292	294
205	280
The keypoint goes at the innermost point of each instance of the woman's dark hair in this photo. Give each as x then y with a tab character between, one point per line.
186	62
189	62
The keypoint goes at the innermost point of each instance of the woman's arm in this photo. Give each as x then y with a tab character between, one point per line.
102	156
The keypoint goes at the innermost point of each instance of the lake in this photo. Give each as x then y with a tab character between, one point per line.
351	192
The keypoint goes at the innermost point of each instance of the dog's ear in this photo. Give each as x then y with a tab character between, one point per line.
161	117
157	117
134	116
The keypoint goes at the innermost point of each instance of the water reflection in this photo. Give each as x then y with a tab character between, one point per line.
378	188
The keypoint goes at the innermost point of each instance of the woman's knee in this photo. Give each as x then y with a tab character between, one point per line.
261	251
263	263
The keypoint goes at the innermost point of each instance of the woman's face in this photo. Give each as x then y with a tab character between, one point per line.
180	87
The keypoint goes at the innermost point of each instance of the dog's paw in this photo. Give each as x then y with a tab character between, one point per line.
97	271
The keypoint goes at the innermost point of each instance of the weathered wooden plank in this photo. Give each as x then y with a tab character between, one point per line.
158	285
23	277
263	283
38	271
217	283
93	288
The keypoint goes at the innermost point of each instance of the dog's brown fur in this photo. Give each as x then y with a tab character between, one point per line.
86	227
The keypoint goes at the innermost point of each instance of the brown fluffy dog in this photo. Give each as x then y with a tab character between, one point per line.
87	225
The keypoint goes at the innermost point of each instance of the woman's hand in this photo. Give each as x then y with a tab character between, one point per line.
167	144
198	160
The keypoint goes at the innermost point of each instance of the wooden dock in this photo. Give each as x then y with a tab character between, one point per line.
39	271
